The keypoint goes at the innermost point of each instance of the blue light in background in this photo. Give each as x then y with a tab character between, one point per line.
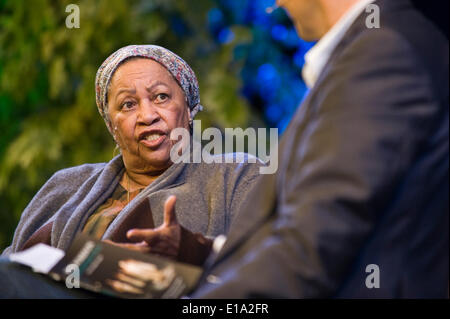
215	17
268	80
267	72
264	4
279	32
225	36
256	13
236	9
271	59
273	113
298	88
292	39
282	125
299	58
287	103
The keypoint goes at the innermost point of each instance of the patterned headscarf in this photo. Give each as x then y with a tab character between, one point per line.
179	69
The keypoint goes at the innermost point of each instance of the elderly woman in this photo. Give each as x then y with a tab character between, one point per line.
143	92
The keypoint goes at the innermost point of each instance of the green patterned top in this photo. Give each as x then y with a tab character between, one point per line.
99	221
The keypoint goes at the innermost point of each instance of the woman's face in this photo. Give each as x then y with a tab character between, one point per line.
145	104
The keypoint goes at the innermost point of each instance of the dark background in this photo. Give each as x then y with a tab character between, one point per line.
435	10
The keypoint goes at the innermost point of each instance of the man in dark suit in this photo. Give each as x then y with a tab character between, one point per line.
359	206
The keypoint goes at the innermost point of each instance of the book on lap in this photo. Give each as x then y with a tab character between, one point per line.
111	270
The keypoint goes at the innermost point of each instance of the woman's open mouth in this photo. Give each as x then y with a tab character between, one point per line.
153	140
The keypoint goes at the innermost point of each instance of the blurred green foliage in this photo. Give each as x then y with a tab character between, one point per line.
48	117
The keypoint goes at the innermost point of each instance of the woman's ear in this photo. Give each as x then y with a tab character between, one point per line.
114	130
114	134
116	149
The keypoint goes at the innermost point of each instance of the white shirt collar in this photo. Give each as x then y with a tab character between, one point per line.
317	57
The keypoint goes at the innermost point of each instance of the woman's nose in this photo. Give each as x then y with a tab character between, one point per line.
147	112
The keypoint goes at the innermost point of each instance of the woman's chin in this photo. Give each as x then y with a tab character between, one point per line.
147	160
159	160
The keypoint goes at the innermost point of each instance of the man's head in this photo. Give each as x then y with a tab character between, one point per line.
313	18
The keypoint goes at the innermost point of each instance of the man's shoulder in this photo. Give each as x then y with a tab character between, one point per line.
405	40
401	27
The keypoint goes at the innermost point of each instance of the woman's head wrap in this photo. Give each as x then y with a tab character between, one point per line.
179	69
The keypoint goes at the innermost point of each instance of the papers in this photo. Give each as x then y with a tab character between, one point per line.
41	258
111	270
218	243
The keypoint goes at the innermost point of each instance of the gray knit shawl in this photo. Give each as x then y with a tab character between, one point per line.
208	195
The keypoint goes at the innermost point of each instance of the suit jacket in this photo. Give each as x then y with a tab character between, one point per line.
359	206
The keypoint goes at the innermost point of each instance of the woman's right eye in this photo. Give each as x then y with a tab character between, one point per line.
127	104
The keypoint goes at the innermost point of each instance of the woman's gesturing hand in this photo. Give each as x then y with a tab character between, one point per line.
164	240
170	239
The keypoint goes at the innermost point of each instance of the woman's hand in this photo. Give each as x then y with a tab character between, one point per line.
164	240
170	239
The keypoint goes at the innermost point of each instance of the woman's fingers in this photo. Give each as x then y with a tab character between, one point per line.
148	235
162	245
164	239
151	235
142	246
170	218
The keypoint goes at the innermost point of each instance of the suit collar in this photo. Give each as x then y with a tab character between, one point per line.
317	57
358	26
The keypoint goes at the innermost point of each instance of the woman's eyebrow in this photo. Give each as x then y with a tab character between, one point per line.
133	91
124	90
